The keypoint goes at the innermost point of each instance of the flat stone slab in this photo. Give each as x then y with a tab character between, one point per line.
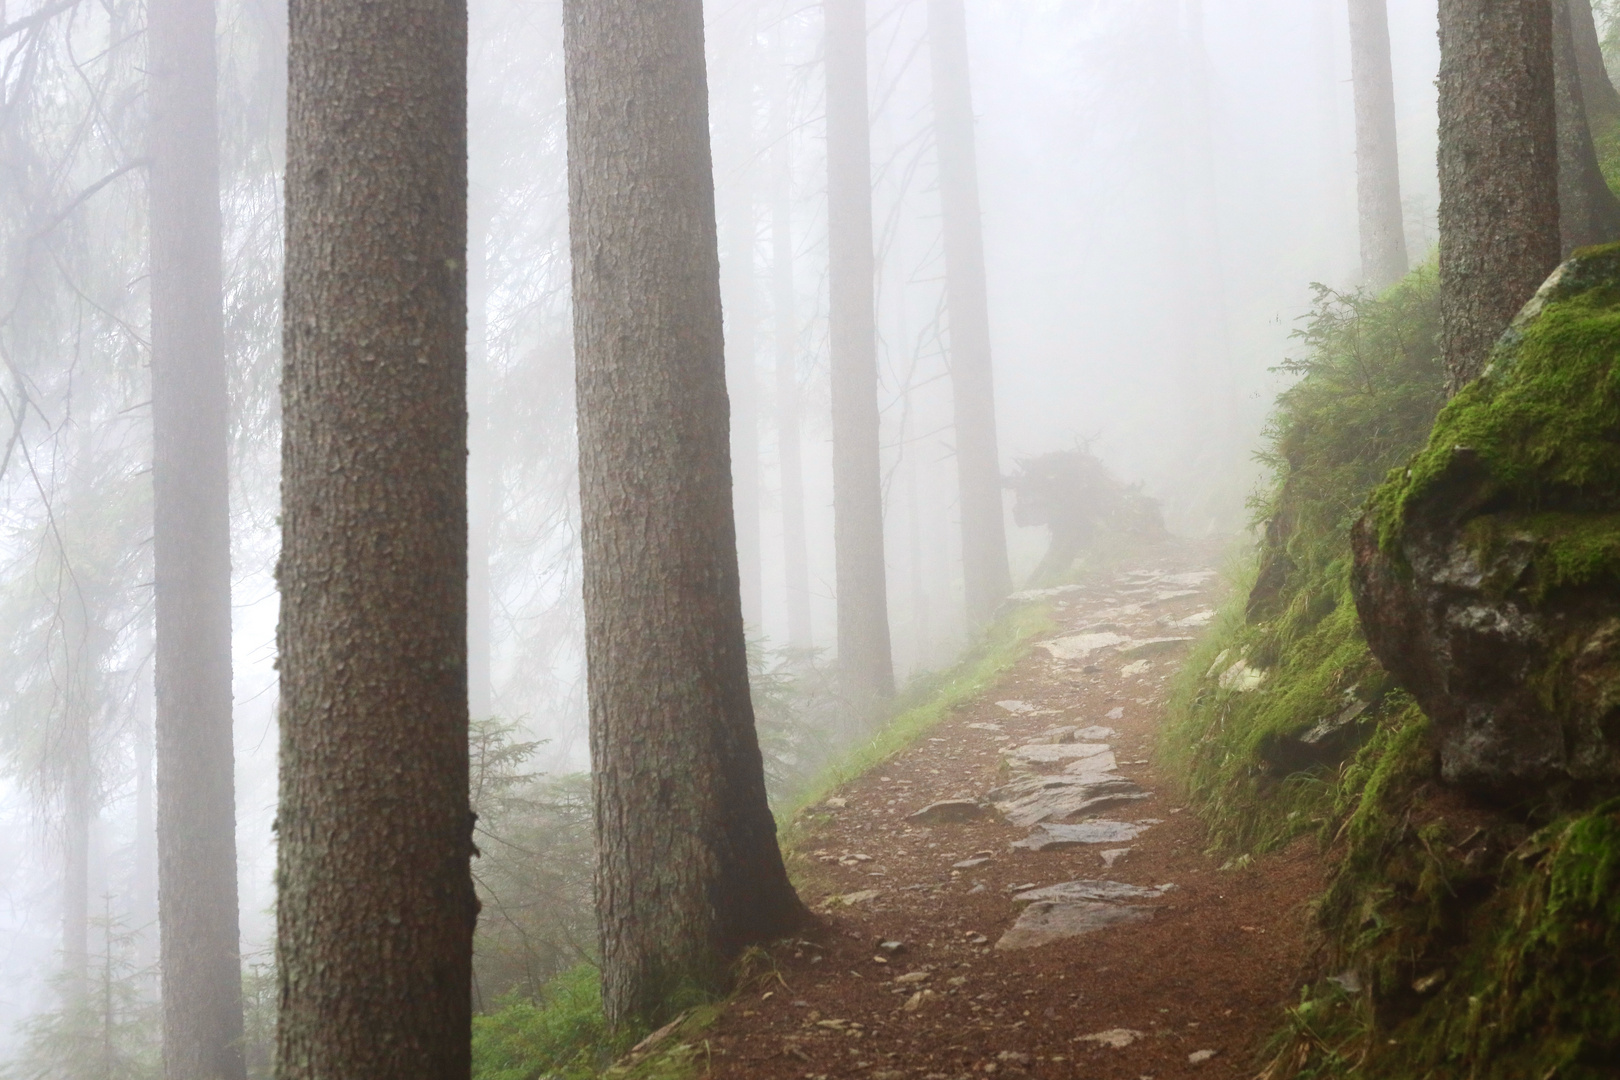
1097	732
952	812
1046	921
1099	831
1099	891
1052	753
1017	708
1099	765
1080	646
1062	801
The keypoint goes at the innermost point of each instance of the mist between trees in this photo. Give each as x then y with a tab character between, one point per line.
1117	207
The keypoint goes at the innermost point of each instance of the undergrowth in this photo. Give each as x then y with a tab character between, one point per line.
1456	940
1371	383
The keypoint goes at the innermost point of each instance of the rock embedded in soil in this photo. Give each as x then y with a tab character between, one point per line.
1487	573
1052	753
1112	856
1080	646
1117	1038
1107	891
1061	801
1099	831
1046	921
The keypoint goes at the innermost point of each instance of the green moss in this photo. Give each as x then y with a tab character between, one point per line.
1560	551
1541	429
1370	387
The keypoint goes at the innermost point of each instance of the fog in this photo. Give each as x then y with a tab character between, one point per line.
1161	182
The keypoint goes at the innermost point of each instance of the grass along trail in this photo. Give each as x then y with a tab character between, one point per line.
1073	929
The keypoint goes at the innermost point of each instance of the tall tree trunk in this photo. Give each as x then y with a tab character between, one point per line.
865	662
1598	92
199	936
481	466
985	577
688	871
1378	173
789	448
1498	171
1588	212
376	908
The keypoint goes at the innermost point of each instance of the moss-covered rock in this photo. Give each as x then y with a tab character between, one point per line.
1487	571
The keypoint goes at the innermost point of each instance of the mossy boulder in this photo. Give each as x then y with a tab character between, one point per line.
1487	571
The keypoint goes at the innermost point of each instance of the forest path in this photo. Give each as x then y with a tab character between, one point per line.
1180	968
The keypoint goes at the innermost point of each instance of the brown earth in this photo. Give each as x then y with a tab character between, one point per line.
1211	970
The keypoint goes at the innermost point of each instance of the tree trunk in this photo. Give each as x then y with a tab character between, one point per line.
199	937
1378	174
1588	212
1498	171
985	576
1598	92
789	448
376	908
865	663
688	870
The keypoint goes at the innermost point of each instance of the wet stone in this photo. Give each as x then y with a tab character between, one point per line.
1069	799
1099	831
1046	921
1080	646
1107	891
1053	753
1117	1038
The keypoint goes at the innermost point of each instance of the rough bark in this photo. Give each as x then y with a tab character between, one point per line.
376	909
1378	174
1601	98
199	937
1588	212
865	662
1498	163
789	448
688	869
985	577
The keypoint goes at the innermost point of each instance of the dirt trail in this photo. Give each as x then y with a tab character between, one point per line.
907	979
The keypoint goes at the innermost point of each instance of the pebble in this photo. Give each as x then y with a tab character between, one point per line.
1118	1038
1198	1057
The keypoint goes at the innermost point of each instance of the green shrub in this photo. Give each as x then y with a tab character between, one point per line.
562	1034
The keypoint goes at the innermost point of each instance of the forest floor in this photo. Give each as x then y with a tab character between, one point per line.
929	966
